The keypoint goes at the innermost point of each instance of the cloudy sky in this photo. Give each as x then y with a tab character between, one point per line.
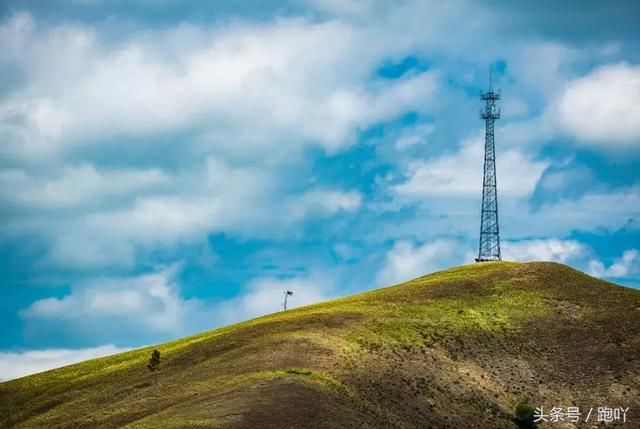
171	166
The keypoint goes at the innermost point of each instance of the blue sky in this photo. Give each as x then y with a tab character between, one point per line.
168	167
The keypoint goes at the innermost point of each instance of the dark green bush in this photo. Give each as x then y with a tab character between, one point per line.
525	416
154	364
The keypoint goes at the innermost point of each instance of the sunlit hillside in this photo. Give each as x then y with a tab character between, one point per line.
459	348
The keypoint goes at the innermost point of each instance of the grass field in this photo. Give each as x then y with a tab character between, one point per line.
455	349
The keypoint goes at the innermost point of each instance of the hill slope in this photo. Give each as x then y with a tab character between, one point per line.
458	348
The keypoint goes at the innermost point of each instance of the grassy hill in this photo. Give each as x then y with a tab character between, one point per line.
455	349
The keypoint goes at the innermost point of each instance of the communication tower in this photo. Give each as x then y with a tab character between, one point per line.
489	227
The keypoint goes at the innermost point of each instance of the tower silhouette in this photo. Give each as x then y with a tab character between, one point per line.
489	228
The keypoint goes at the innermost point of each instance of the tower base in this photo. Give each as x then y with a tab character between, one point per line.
487	260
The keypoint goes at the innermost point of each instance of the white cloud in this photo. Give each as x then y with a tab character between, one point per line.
19	364
550	249
413	136
265	295
75	185
291	79
460	174
147	303
601	109
112	215
406	260
255	94
324	202
162	219
233	200
77	250
563	180
542	67
626	265
151	307
346	252
600	210
346	7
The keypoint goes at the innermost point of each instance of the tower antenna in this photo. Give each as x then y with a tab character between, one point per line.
489	249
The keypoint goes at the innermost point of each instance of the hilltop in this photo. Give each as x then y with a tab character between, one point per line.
454	349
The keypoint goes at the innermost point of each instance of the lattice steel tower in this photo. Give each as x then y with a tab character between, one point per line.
489	228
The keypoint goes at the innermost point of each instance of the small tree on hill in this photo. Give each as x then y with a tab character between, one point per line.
154	364
525	416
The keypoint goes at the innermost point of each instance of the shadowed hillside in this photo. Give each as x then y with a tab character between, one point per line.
455	349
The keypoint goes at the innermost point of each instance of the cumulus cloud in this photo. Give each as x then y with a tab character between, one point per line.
595	211
407	260
550	249
165	221
413	136
292	79
567	179
149	303
153	307
111	215
601	109
255	93
598	210
626	265
19	364
460	174
76	250
324	201
346	7
157	220
75	185
266	295
544	76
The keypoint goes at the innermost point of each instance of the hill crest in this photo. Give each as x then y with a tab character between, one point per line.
456	348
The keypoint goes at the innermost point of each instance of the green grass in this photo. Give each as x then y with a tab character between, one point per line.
465	343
